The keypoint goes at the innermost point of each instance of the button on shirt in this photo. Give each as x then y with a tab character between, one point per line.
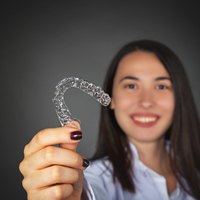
149	184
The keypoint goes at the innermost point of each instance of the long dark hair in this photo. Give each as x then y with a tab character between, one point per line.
184	132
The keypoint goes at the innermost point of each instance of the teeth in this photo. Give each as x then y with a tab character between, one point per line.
145	119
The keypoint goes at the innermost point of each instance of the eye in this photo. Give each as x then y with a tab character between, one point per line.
162	87
131	86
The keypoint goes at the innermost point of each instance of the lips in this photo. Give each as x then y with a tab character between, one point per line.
145	119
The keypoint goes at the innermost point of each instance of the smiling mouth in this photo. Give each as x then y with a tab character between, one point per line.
146	120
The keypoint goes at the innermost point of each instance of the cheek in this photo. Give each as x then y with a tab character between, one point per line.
121	102
168	104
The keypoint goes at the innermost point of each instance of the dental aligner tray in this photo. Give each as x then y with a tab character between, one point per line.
62	110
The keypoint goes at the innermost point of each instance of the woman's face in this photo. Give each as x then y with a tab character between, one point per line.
143	97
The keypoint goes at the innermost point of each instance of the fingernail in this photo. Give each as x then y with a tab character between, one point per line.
86	163
76	135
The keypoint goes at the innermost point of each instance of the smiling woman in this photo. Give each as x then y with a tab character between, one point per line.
148	141
150	136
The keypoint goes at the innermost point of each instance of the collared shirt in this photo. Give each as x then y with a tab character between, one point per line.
149	184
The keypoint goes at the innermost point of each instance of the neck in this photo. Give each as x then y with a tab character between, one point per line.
154	155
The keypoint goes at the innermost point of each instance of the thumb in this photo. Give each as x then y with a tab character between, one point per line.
76	126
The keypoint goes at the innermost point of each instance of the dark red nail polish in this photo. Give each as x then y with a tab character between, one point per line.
86	163
76	135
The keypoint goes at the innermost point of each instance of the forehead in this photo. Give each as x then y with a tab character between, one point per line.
141	63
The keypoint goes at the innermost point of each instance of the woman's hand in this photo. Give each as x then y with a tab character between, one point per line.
50	171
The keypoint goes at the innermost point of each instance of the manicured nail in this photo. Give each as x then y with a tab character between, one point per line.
86	162
76	135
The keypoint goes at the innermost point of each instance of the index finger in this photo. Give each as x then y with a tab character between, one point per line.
52	136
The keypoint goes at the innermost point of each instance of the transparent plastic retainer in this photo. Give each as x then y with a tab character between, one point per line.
62	110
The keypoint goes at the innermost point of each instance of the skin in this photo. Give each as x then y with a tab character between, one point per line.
54	173
51	172
143	103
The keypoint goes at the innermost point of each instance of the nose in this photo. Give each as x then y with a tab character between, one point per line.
146	99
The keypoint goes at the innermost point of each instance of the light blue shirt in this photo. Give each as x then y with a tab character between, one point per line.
149	184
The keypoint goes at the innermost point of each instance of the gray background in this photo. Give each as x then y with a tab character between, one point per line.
45	41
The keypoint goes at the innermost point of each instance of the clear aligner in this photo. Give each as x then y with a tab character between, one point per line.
62	110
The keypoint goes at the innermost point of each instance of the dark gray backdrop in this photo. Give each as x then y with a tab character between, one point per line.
41	43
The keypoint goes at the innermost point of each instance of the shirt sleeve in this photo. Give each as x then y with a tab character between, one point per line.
94	184
89	190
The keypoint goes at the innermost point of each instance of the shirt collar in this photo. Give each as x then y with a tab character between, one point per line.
139	165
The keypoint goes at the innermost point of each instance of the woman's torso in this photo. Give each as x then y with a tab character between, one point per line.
149	185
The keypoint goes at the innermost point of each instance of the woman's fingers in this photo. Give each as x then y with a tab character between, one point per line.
53	136
51	167
52	155
50	176
59	191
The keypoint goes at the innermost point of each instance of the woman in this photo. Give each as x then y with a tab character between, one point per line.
148	138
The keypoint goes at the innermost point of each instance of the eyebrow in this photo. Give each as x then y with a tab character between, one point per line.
160	78
129	78
163	78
